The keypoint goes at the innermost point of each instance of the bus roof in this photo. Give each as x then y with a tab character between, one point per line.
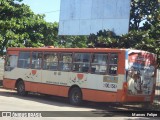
49	49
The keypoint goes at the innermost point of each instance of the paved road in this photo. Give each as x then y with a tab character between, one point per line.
10	101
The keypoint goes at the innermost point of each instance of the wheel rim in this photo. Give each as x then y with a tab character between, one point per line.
76	97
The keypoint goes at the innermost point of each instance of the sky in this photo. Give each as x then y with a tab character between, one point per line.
51	8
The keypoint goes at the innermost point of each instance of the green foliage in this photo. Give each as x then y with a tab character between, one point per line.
20	27
148	13
144	31
103	39
72	41
143	12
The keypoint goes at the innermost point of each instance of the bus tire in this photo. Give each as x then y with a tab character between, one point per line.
75	96
21	88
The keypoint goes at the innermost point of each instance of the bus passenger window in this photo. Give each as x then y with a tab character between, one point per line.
113	67
36	60
11	62
50	61
81	62
99	63
24	60
65	62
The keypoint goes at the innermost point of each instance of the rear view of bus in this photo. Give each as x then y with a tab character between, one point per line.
140	76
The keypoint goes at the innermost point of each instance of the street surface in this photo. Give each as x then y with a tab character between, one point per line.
59	107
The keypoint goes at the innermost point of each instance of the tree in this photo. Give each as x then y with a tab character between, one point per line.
72	41
144	31
20	27
146	12
103	39
50	34
143	14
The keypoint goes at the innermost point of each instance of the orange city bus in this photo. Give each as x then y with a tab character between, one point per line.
92	74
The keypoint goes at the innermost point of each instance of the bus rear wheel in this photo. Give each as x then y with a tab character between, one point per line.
21	88
75	96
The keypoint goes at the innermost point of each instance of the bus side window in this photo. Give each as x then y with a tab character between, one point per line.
36	60
50	61
24	60
65	61
99	63
81	62
113	67
11	62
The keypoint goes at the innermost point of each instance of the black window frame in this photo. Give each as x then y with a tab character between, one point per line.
52	66
82	64
25	60
38	62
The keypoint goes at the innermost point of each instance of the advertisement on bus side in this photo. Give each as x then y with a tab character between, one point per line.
141	72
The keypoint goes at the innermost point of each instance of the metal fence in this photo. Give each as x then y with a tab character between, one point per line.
1	70
156	103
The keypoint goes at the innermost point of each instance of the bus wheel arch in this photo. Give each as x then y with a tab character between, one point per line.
17	81
20	87
75	95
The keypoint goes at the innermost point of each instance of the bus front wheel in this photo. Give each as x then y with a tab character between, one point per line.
21	89
75	96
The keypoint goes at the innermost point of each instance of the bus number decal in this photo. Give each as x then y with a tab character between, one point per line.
110	85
